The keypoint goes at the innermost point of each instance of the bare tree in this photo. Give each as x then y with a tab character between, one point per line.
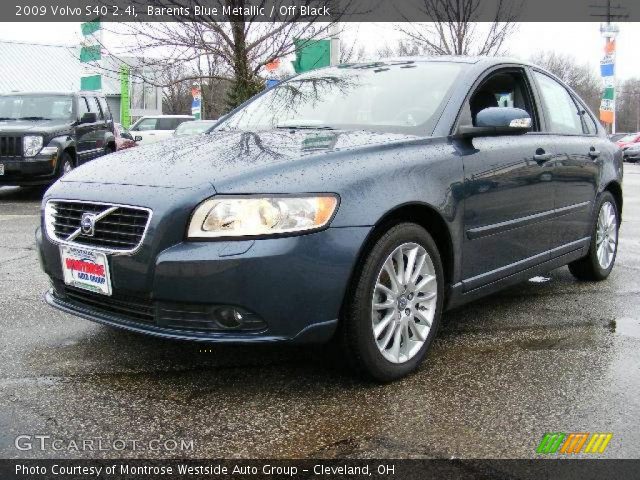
402	48
352	52
239	45
580	77
628	106
456	27
176	96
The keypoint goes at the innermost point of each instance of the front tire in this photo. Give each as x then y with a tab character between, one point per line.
394	311
599	262
66	164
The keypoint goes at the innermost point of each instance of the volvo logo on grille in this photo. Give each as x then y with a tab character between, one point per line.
88	224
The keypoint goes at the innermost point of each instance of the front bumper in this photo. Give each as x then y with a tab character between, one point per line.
296	285
38	170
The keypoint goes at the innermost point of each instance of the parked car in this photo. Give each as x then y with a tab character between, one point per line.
124	139
45	135
628	140
614	137
631	153
195	127
355	203
150	129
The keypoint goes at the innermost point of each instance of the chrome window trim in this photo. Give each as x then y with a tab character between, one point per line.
109	251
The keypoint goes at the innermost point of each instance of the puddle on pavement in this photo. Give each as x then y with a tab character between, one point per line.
540	279
626	326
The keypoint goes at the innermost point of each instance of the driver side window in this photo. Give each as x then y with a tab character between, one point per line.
146	124
500	89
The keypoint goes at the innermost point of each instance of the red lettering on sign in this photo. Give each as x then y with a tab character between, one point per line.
85	267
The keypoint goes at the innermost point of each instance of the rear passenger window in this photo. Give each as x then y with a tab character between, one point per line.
82	106
170	123
562	113
105	108
588	123
98	108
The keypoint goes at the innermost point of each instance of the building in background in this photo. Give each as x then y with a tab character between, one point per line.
29	67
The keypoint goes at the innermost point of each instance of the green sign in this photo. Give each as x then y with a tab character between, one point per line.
609	93
311	54
89	28
91	53
92	82
125	117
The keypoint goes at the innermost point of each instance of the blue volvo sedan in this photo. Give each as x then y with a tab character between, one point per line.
354	203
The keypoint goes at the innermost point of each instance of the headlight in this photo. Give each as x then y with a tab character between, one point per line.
31	144
239	217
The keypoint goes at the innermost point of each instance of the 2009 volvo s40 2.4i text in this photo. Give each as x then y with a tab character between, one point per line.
353	203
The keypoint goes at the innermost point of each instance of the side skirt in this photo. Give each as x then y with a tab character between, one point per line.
475	288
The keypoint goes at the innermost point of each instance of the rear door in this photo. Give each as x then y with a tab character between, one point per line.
85	132
102	125
507	186
576	169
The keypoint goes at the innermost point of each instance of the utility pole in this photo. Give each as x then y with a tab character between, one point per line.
607	65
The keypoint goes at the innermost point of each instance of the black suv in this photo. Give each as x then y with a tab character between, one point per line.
45	135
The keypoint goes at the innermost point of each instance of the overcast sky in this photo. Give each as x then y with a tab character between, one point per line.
581	40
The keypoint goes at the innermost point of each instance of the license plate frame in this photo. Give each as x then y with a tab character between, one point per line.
86	268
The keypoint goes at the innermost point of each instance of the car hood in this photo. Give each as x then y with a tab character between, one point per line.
33	126
185	162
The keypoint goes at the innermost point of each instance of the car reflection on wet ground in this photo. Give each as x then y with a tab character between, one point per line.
549	355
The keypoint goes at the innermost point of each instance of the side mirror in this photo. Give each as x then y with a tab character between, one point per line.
126	135
495	121
138	138
89	117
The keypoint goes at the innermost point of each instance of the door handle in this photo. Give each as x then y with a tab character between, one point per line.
593	153
541	156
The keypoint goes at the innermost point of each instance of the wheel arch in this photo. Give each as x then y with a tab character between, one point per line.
615	189
421	214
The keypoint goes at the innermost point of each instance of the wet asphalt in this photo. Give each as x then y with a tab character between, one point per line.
553	355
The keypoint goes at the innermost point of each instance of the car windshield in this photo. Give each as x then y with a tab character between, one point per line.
36	107
402	97
194	128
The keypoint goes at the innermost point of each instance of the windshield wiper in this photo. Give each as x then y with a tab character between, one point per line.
34	118
305	127
7	118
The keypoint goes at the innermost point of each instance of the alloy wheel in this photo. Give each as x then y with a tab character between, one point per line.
404	302
606	235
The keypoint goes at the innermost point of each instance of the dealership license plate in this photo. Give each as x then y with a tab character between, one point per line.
1	168
85	268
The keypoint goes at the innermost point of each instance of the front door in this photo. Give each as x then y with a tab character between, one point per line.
509	195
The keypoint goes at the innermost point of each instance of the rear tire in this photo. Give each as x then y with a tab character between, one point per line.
411	305
599	262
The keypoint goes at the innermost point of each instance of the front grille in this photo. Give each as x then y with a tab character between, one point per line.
10	146
136	309
121	230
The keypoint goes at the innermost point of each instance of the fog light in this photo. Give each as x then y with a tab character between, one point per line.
229	317
208	318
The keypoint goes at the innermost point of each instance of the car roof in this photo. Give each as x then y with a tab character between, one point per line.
166	116
488	61
81	92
